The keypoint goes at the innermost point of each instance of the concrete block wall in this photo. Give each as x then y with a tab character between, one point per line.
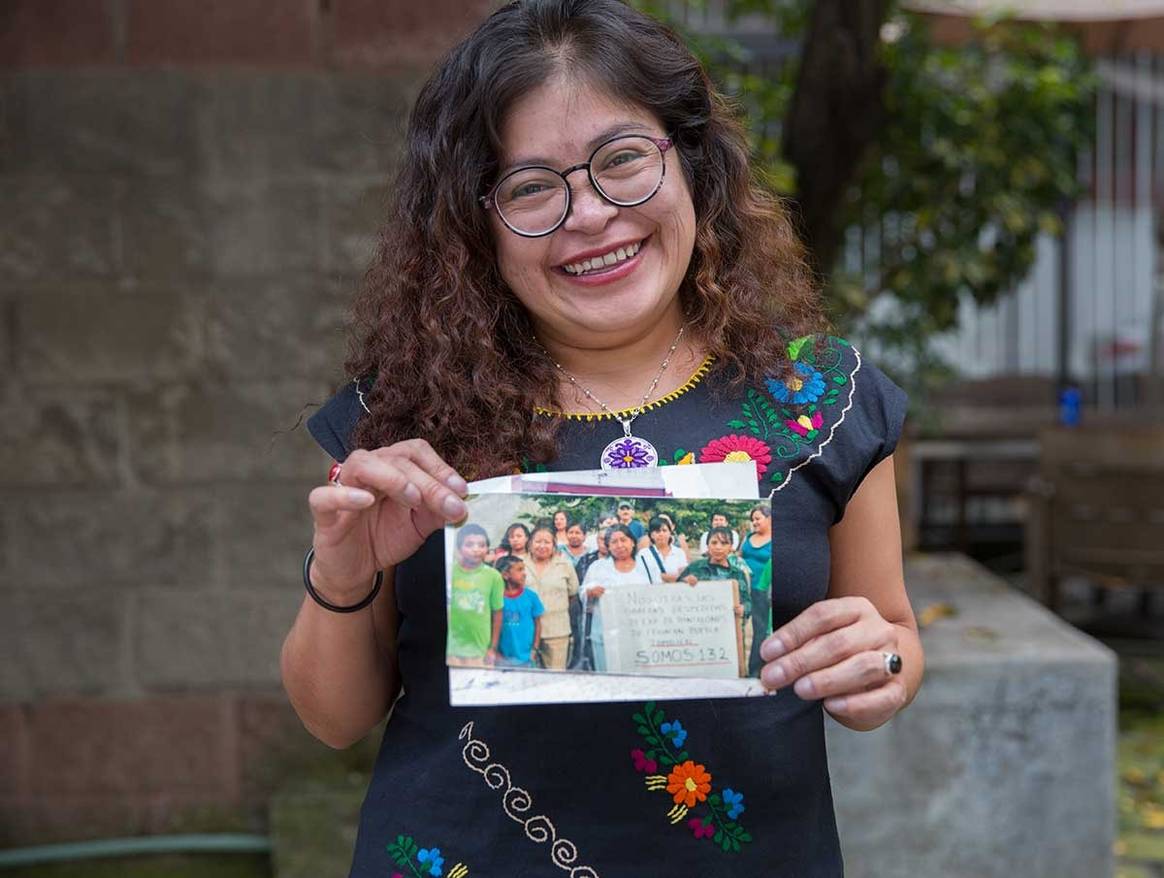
189	191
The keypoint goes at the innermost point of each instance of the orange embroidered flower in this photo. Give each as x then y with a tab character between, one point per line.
688	783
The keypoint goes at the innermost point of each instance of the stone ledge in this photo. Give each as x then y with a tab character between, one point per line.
1004	764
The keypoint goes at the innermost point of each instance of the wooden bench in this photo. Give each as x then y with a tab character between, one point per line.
1097	508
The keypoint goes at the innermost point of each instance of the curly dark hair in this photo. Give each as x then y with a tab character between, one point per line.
442	344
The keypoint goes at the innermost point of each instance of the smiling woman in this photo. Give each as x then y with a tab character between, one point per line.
576	248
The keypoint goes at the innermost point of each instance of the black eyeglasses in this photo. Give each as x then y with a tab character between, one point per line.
535	200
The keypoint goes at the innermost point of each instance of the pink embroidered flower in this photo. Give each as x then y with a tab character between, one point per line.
643	765
804	424
733	447
699	830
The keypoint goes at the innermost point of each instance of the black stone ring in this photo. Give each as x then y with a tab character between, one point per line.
892	662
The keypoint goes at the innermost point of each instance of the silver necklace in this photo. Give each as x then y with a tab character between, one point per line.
628	451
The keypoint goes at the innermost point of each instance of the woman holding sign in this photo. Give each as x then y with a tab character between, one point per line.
578	272
622	566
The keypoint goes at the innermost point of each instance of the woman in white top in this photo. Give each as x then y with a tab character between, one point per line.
551	576
619	568
662	557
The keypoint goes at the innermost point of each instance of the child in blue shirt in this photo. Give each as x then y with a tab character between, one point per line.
521	617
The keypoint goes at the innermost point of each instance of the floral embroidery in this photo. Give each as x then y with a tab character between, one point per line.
806	386
732	448
734	802
675	732
806	426
700	829
790	418
517	802
643	765
687	782
420	862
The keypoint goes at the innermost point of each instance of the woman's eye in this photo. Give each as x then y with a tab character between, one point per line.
529	189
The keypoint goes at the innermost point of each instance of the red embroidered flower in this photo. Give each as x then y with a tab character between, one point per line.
733	447
643	765
804	424
699	829
688	783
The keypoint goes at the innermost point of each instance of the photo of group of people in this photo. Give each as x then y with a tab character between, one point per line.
584	583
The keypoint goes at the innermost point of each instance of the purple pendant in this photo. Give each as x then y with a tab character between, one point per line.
629	452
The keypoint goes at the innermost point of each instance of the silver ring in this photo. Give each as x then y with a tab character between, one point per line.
892	663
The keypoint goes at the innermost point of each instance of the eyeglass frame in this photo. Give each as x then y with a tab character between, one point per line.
489	202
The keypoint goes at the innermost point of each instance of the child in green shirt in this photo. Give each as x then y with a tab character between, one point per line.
475	605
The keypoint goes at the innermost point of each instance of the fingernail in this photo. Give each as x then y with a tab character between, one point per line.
775	676
457	484
772	648
412	495
361	497
454	507
836	705
803	687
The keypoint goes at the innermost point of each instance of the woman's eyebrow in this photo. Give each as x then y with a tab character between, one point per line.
601	137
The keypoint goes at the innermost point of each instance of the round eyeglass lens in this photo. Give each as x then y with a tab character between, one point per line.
532	200
628	170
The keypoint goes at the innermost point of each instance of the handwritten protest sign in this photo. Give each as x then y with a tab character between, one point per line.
673	630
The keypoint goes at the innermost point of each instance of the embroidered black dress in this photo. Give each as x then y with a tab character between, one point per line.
703	787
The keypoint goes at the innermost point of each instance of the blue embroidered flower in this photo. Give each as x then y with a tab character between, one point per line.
807	386
734	802
674	731
432	858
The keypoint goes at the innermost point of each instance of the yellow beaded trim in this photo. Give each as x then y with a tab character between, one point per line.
695	378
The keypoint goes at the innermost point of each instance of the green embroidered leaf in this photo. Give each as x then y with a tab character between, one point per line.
839	379
649	708
736	424
643	730
745	836
683	757
795	346
713	799
658	717
776	477
719	837
664	759
726	844
639	718
735	845
650	754
654	741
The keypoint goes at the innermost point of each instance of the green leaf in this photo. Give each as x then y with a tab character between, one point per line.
639	718
643	730
659	717
713	799
839	379
650	754
736	424
683	757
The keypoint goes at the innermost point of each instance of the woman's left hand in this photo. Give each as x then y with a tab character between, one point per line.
835	651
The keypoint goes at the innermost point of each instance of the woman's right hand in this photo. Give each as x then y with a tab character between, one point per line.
595	592
390	501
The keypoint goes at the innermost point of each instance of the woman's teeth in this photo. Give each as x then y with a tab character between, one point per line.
600	263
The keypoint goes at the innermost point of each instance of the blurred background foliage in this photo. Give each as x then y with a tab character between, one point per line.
918	173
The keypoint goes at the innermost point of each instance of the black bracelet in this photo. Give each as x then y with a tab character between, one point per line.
327	605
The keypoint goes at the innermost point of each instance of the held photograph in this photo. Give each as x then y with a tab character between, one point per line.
599	586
